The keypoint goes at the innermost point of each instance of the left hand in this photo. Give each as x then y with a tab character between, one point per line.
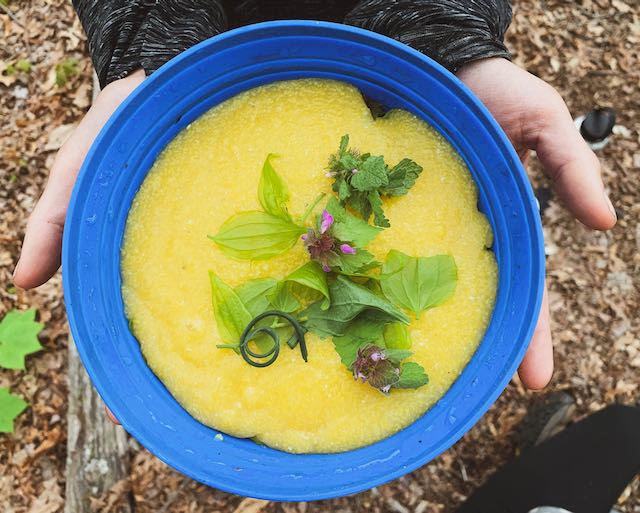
535	117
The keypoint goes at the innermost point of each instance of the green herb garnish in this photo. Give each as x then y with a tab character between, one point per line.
259	235
348	301
418	283
251	332
361	180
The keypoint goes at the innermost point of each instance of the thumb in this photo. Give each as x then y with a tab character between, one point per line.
40	255
570	163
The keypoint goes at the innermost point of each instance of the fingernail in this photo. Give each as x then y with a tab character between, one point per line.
15	270
610	205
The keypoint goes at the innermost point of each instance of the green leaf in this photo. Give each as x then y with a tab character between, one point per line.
256	235
397	355
418	283
10	407
349	228
311	276
272	191
344	143
401	178
65	70
18	338
396	336
282	298
371	175
348	301
230	313
253	294
366	329
412	375
352	265
375	201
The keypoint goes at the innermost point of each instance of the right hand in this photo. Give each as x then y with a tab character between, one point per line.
40	256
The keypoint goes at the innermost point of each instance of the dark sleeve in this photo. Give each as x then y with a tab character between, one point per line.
125	35
452	32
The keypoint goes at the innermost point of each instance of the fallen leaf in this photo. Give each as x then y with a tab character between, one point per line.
58	136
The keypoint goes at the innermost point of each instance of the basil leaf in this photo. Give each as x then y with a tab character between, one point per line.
231	315
311	276
253	294
401	178
272	191
418	283
371	174
349	228
412	375
256	235
348	301
396	336
281	298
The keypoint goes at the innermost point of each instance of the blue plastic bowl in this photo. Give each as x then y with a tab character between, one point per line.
177	94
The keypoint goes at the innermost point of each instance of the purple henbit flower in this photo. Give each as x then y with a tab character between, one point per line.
373	366
347	250
326	221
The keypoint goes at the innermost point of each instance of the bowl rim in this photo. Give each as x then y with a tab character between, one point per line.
529	204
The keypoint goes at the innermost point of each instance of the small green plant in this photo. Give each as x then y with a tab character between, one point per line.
66	70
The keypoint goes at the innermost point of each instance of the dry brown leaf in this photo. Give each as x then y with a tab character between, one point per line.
59	135
249	505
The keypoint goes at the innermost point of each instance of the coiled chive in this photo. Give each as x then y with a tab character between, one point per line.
249	334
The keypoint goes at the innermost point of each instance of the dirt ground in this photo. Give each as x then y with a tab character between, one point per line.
588	49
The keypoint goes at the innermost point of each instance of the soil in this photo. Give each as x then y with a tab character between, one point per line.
587	49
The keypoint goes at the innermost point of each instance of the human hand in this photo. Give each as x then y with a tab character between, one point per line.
40	256
535	117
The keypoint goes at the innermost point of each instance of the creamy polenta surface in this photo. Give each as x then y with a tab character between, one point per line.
211	171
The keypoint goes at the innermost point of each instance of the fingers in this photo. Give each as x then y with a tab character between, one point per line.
573	167
111	416
536	368
40	256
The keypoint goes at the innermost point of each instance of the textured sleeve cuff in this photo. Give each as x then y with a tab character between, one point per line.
125	35
452	32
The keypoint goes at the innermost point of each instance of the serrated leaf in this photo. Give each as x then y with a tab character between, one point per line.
375	201
371	175
10	407
18	338
349	228
401	178
412	375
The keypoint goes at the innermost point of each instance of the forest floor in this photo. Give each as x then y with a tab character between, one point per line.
587	49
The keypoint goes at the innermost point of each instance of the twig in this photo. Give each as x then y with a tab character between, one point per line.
11	15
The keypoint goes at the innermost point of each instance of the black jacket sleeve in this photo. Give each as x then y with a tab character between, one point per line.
125	35
452	32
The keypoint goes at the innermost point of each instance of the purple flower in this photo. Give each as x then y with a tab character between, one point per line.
347	250
372	366
326	222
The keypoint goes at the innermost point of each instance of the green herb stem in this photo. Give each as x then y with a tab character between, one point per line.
249	334
312	207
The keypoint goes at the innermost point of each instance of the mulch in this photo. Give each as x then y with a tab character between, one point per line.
587	49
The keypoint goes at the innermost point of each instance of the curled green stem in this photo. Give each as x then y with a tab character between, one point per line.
271	354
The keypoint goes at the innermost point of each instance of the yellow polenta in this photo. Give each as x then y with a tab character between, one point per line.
211	171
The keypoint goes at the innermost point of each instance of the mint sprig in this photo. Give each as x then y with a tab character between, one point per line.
361	180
